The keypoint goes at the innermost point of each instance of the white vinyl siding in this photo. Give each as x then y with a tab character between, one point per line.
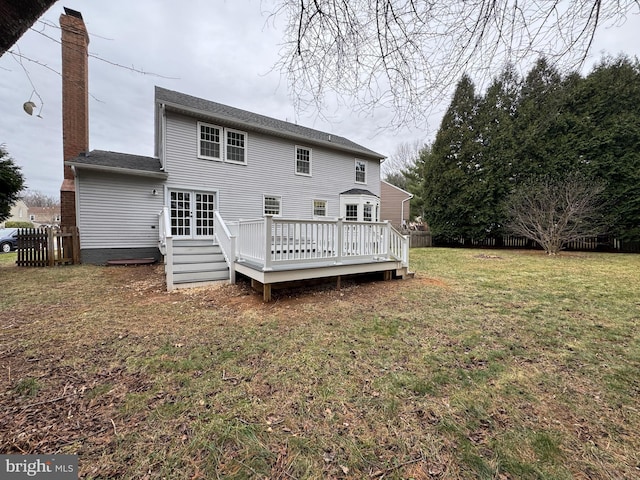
303	161
117	211
268	171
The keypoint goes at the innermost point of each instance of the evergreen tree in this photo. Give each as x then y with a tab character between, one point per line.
11	183
449	168
488	146
414	182
495	130
538	128
607	106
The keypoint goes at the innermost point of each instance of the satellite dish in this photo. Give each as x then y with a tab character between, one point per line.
28	107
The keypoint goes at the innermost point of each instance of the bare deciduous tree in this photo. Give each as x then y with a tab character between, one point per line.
35	198
406	54
555	212
403	158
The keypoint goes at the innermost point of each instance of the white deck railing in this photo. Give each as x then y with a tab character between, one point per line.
276	242
270	243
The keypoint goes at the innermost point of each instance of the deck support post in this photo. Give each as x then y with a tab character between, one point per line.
266	292
338	281
268	239
388	275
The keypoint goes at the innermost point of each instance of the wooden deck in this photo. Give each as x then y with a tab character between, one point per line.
274	250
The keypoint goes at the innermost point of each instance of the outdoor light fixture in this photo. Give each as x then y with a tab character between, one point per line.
28	107
154	192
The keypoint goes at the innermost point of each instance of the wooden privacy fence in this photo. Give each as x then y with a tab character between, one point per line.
601	243
47	247
419	239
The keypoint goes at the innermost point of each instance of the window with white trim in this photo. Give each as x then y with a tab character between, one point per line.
236	149
303	161
367	213
351	212
272	204
319	208
221	144
361	171
209	145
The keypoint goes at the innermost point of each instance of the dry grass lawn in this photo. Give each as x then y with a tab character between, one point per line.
489	364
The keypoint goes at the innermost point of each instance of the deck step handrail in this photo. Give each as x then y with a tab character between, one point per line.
399	245
227	242
164	229
165	244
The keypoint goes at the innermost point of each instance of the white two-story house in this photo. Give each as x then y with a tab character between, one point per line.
229	190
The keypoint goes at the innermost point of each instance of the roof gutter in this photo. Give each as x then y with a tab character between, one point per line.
125	171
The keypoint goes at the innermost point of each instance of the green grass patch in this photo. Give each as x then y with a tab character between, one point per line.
28	387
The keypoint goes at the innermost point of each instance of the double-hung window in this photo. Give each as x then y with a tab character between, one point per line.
272	205
209	145
351	212
236	146
319	208
361	171
367	213
303	161
222	144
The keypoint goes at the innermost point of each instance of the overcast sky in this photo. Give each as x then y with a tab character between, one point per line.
214	49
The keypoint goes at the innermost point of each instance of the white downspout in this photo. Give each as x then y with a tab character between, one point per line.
402	208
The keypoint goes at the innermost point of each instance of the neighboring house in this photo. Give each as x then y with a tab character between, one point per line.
19	213
44	216
394	204
215	158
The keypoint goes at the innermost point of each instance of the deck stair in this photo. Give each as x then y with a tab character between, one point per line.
197	263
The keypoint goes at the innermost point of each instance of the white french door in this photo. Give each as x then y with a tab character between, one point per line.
192	213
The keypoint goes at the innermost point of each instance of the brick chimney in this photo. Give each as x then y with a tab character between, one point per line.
75	105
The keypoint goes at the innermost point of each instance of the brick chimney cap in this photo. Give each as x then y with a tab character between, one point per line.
72	13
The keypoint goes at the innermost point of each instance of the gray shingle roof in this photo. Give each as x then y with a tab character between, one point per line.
358	191
252	121
119	162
